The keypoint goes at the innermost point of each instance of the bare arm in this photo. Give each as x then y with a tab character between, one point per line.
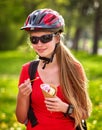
23	101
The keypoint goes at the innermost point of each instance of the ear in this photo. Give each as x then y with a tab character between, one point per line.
57	38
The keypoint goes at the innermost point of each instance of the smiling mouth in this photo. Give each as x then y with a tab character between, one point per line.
41	50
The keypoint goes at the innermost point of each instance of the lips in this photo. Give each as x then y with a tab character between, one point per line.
41	50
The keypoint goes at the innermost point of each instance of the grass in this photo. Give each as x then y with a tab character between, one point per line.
10	65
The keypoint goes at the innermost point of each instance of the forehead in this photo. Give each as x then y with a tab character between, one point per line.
39	33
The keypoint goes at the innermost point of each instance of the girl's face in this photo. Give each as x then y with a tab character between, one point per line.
44	49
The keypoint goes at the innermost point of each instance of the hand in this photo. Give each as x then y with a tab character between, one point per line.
25	88
56	105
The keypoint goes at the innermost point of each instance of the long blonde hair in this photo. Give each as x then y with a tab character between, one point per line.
73	82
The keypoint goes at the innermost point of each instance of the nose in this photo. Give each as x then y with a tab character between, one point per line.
39	43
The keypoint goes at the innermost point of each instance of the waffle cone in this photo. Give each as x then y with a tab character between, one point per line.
50	95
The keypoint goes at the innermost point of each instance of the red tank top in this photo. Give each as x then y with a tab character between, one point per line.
46	120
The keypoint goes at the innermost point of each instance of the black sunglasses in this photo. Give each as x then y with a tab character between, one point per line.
44	38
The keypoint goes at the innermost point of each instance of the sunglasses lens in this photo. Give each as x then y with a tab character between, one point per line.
34	40
46	38
43	39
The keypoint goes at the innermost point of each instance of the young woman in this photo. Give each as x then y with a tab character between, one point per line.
57	66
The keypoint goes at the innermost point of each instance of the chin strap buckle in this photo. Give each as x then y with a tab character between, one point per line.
48	60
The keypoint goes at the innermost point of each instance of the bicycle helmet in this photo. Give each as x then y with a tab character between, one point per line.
44	19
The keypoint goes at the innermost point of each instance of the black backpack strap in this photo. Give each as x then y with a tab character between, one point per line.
84	125
32	71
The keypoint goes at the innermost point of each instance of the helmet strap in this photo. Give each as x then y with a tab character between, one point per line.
48	60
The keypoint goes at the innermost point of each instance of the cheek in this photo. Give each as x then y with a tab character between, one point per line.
52	43
51	47
33	46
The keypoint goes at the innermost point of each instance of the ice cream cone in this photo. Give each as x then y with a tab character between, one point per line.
48	90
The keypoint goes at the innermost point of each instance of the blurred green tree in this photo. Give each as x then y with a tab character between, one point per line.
79	15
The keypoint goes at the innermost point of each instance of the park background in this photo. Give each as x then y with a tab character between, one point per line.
83	36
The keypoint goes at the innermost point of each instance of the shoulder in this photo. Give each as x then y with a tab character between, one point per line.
24	74
24	68
27	65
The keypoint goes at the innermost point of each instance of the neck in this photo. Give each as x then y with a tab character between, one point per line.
51	64
48	60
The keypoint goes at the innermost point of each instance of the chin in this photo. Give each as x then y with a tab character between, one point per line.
44	55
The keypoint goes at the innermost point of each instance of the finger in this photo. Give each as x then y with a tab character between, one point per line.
50	102
21	86
27	81
52	108
25	89
51	99
27	93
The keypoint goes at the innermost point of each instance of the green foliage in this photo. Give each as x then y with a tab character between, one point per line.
10	65
13	13
10	19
